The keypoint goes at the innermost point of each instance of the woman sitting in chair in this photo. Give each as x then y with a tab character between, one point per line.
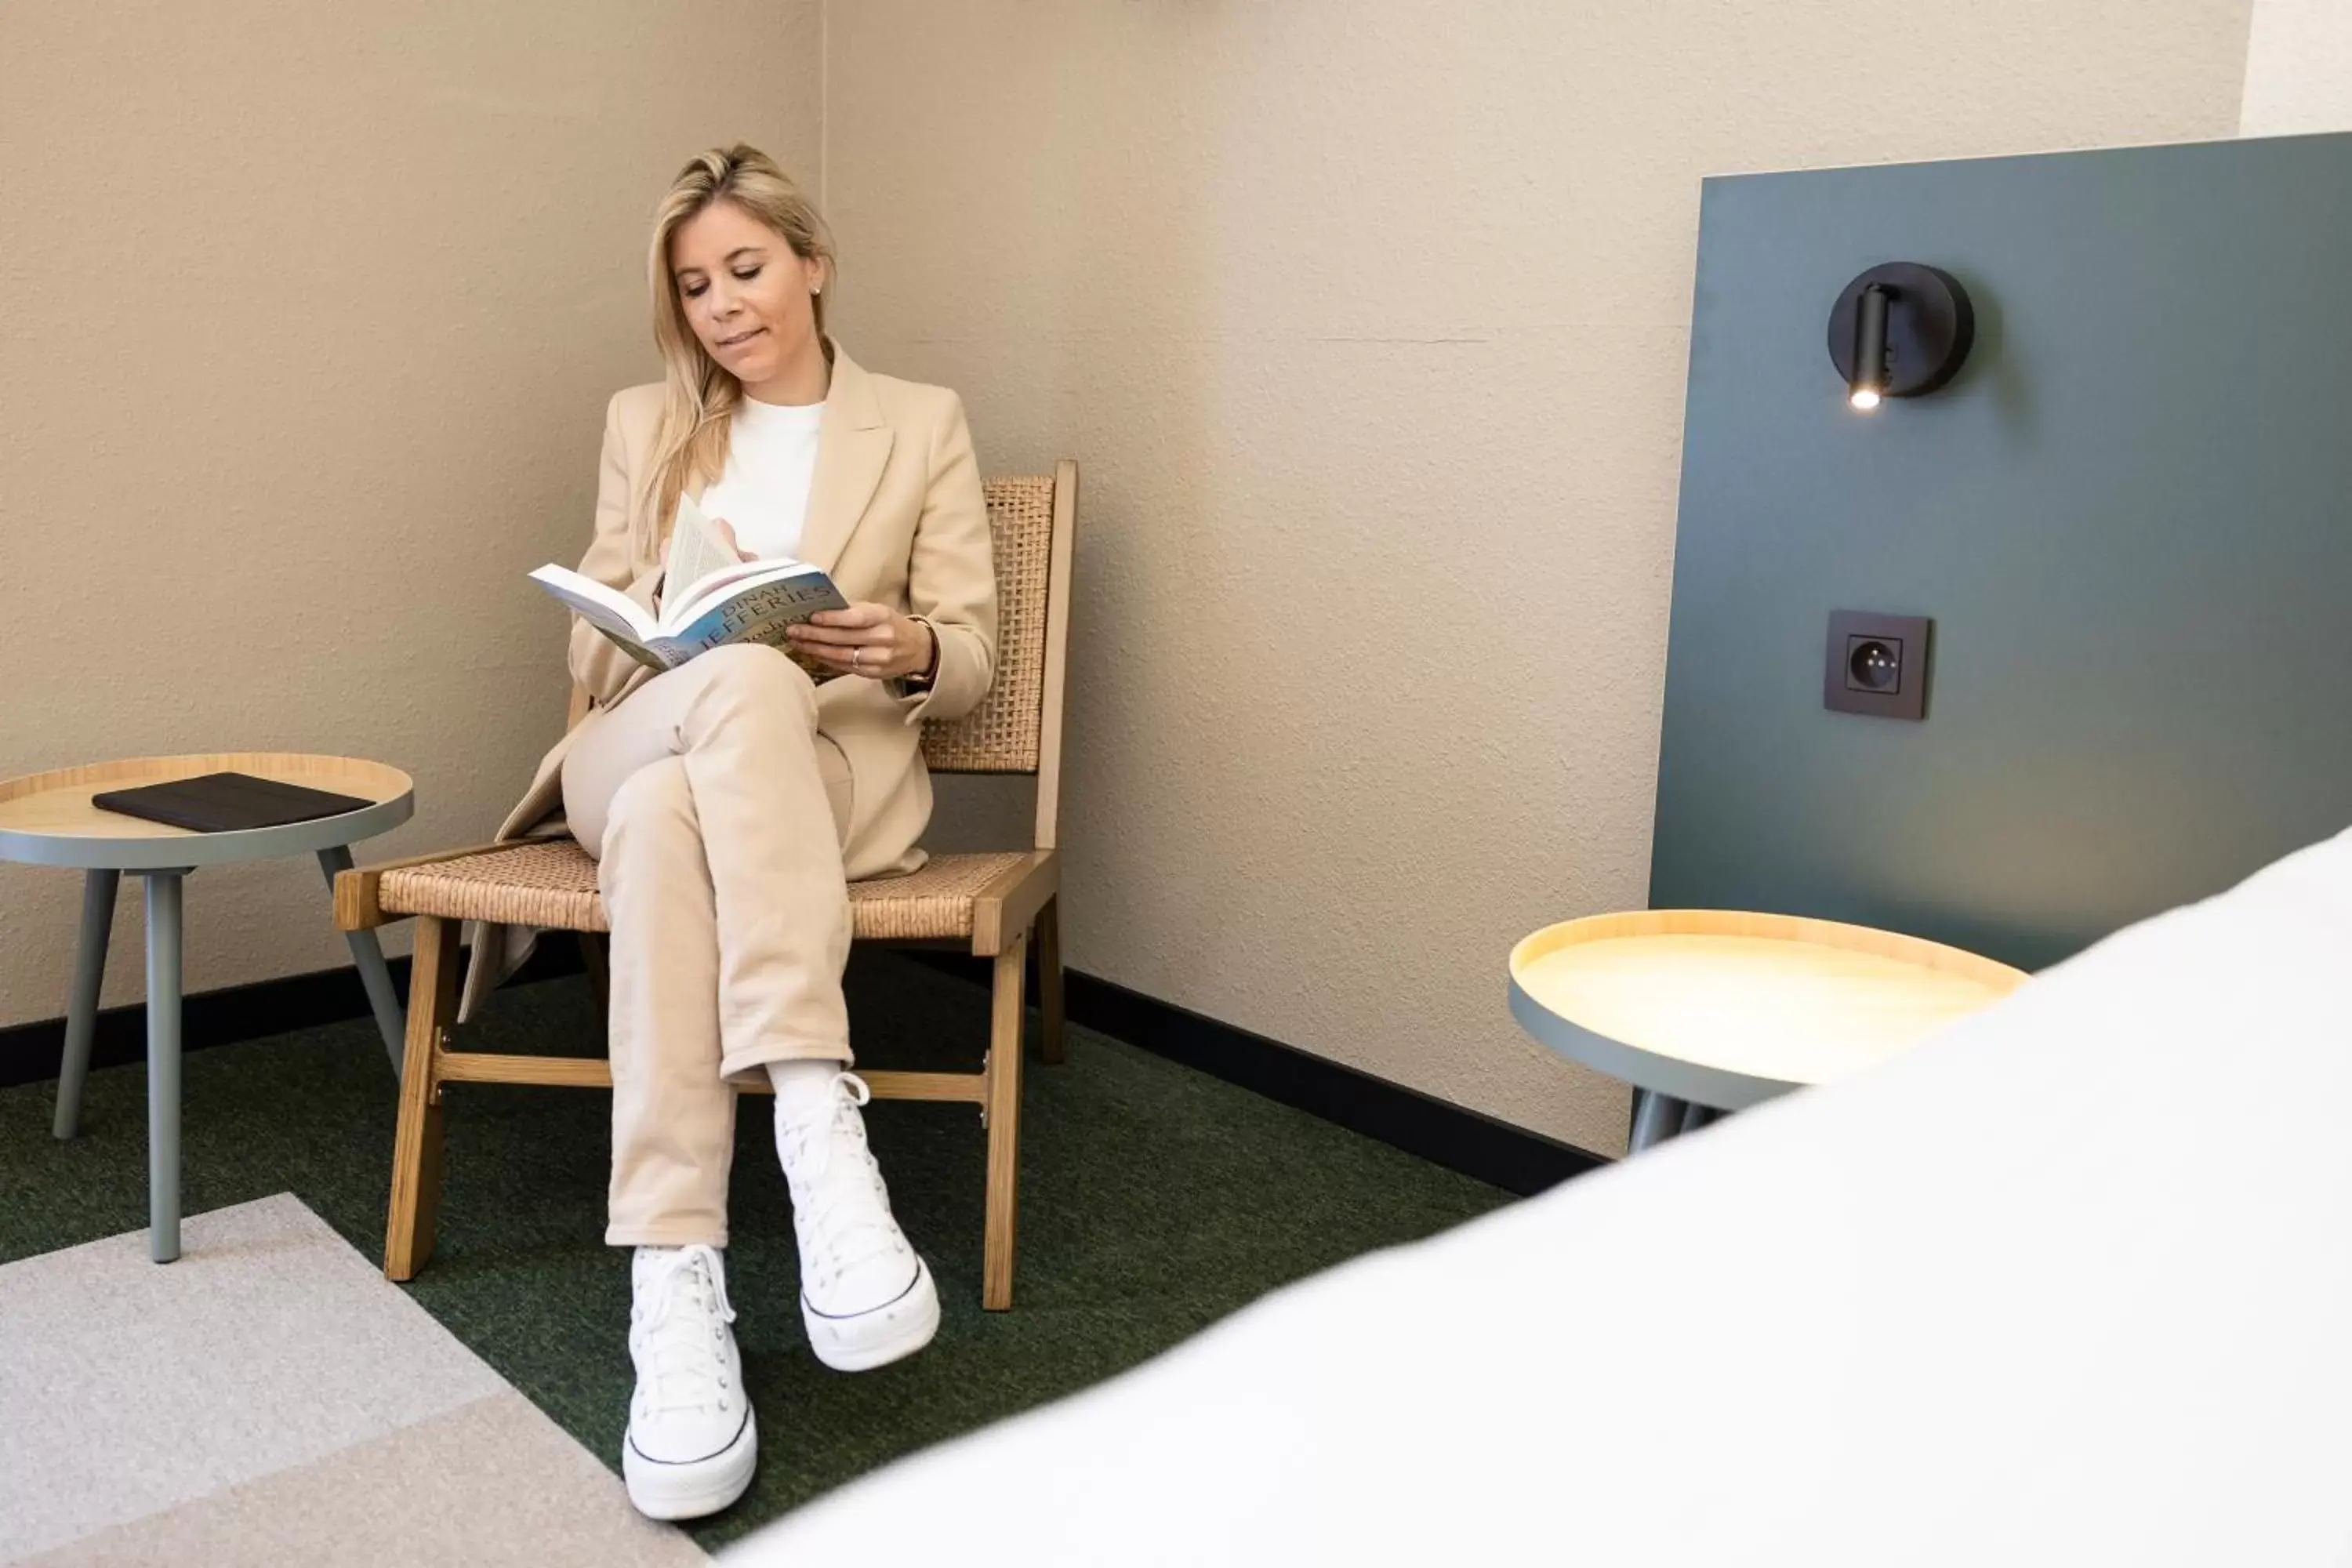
729	801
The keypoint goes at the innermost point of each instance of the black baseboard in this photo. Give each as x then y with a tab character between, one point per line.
1477	1146
1438	1131
30	1053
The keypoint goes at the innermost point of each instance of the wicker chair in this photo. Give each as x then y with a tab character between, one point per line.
997	901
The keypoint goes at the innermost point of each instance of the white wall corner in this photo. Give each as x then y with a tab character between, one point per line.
2298	69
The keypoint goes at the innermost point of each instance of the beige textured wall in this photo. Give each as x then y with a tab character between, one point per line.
310	312
1368	322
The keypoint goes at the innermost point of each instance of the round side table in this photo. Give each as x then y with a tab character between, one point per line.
1705	1011
47	819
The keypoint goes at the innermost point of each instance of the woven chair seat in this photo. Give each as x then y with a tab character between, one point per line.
553	883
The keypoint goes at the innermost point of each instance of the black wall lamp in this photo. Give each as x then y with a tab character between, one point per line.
1900	330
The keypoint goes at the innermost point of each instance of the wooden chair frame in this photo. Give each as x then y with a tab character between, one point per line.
1019	906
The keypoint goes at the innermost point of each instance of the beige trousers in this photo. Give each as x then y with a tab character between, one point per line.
715	809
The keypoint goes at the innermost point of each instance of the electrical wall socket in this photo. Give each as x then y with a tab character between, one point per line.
1876	664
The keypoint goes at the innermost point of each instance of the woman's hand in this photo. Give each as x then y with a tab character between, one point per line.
866	640
726	531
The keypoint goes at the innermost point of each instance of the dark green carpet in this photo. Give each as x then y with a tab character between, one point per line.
1153	1200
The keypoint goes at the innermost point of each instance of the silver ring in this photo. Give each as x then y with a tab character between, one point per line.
858	658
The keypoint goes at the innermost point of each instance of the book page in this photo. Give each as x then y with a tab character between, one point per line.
696	552
586	598
609	611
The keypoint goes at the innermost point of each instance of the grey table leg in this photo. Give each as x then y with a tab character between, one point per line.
1656	1118
163	1065
98	890
368	953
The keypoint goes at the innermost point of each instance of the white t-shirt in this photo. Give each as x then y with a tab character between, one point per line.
771	463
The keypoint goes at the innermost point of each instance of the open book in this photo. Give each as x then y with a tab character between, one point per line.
710	598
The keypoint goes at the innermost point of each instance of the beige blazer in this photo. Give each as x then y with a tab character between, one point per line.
896	516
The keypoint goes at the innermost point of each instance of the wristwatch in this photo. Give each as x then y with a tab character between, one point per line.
922	682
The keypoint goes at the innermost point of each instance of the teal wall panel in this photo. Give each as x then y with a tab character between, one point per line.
2130	518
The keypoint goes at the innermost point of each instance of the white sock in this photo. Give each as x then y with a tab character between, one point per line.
804	1088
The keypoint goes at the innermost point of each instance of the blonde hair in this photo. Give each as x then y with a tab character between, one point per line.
701	396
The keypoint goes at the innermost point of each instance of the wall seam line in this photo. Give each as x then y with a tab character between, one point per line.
825	104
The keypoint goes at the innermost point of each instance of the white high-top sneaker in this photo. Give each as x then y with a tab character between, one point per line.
867	1300
691	1442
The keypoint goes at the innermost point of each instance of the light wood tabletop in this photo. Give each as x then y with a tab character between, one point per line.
48	819
1724	1008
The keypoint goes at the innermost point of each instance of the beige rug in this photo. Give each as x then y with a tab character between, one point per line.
271	1398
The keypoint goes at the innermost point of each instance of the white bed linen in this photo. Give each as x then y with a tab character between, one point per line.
2071	1283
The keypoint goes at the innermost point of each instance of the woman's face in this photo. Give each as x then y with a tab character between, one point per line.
744	291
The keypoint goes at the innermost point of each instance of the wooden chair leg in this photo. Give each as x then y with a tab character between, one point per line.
591	958
416	1145
1049	980
1003	1107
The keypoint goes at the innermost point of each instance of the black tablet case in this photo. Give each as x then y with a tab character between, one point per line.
226	803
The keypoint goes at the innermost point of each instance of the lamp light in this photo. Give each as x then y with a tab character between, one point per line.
1900	330
1868	382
